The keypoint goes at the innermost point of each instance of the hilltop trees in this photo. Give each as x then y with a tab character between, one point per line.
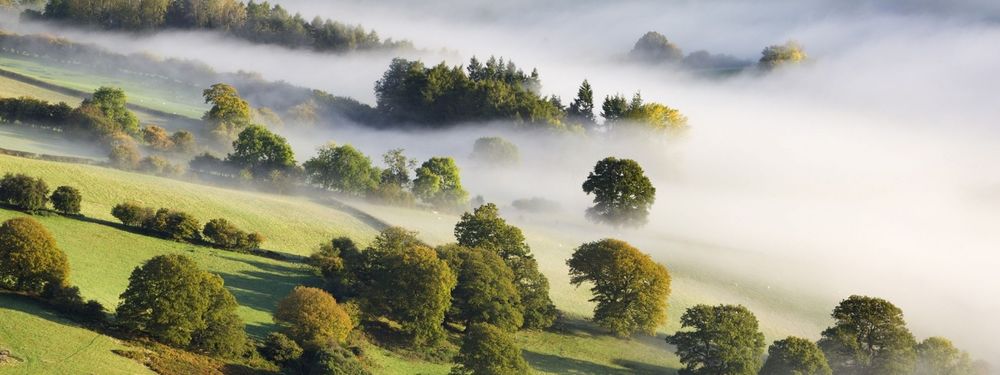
618	111
654	47
172	300
622	192
24	192
30	261
938	356
344	169
869	336
261	152
795	355
439	184
630	289
779	55
495	151
66	199
488	350
485	292
312	317
485	229
582	108
725	340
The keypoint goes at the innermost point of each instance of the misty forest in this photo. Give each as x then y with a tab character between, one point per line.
488	188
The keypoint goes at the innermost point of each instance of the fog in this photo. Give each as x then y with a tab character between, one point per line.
872	169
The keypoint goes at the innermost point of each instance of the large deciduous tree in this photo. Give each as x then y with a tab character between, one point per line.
344	169
112	103
66	199
488	350
623	194
261	152
312	317
869	336
438	183
485	292
630	289
229	113
29	258
795	355
938	356
725	339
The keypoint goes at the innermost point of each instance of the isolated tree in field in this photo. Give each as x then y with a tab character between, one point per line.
24	192
229	113
778	55
170	299
582	108
485	229
405	281
29	258
261	152
869	336
622	192
724	339
630	289
344	169
938	356
111	102
654	47
66	199
485	292
439	184
488	350
339	262
312	317
280	349
797	356
495	151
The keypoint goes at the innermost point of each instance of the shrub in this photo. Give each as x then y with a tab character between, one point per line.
177	225
67	300
131	214
29	257
24	192
228	236
280	349
312	317
334	359
66	199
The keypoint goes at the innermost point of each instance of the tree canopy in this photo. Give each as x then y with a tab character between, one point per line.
30	260
344	169
24	192
66	199
261	152
620	114
111	102
438	183
795	355
654	47
582	108
869	336
630	289
485	292
488	350
938	356
312	317
496	151
229	113
623	194
779	55
725	339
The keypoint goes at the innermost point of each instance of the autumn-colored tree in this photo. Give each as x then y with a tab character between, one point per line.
312	317
280	349
488	350
157	138
229	113
725	339
630	289
778	55
29	257
795	355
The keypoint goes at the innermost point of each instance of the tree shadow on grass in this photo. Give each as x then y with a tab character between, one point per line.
644	368
563	365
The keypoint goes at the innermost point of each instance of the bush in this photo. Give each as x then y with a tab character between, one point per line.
131	214
66	199
29	257
228	236
177	225
67	300
24	192
159	165
334	360
312	317
280	349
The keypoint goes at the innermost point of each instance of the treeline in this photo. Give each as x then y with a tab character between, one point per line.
255	22
655	48
182	226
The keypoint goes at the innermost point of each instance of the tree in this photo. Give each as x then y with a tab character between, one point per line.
630	289
779	55
405	281
66	199
485	292
131	214
439	184
157	138
226	235
344	169
488	350
938	356
869	336
24	192
229	113
654	47
485	229
183	142
312	317
496	151
179	226
333	359
725	340
397	168
170	299
30	260
124	152
280	349
111	102
623	194
261	152
339	262
796	356
582	108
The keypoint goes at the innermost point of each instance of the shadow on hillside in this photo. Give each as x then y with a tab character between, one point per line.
644	368
364	217
32	306
261	288
563	365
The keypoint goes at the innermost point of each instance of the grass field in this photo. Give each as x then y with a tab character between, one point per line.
157	94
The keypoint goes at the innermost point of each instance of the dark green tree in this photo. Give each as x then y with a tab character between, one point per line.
333	359
131	214
170	299
227	236
725	339
614	108
261	152
30	260
344	169
488	350
485	229
340	262
869	336
623	194
630	289
795	356
66	199
485	292
938	356
280	349
24	192
112	103
582	108
438	183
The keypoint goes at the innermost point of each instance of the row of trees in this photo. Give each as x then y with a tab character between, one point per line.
869	336
253	21
181	226
31	195
655	48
